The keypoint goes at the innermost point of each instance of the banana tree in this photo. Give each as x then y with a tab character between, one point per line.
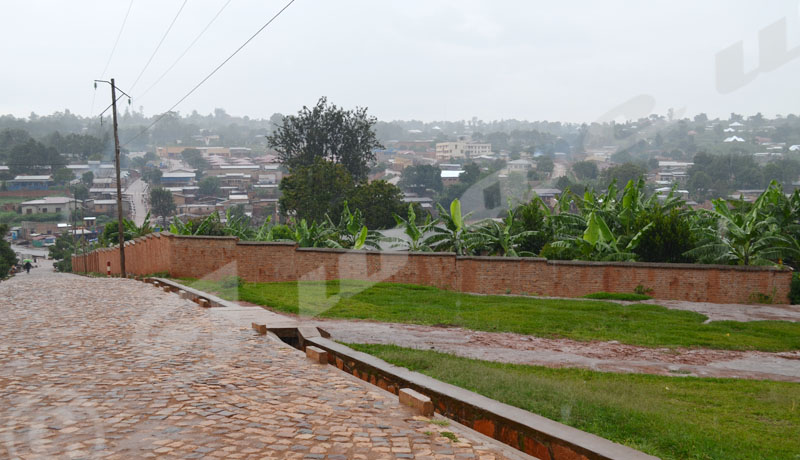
415	233
744	238
314	236
449	232
599	242
500	238
351	233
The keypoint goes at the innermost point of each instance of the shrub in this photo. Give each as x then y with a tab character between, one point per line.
794	289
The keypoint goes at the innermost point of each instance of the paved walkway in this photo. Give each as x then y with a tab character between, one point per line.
100	368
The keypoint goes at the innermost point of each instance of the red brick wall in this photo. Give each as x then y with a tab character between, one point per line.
217	257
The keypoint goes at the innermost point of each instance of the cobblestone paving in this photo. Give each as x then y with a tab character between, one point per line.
99	368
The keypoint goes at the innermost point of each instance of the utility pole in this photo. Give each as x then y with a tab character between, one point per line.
120	223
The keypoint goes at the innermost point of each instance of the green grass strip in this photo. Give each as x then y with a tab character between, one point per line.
670	417
584	320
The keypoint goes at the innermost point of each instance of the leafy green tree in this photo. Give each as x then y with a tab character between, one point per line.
87	178
152	176
327	133
209	186
62	252
545	165
161	202
7	256
585	170
668	238
624	173
80	192
533	217
194	158
378	201
63	176
32	157
313	191
419	178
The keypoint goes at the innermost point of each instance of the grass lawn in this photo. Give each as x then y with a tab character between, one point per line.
637	324
670	417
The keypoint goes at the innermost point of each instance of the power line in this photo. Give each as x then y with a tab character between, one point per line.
159	44
113	49
186	50
210	74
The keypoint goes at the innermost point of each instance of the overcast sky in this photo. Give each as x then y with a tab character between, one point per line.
411	59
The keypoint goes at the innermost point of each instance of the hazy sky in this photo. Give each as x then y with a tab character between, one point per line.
411	59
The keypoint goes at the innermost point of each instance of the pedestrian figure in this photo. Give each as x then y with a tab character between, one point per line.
28	267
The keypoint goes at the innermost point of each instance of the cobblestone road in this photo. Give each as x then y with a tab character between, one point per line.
99	368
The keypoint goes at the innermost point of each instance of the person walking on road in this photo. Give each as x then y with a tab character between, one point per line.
28	266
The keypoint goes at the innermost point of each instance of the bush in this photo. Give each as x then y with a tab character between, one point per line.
794	289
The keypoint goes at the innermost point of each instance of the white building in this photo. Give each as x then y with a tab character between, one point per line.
49	204
449	150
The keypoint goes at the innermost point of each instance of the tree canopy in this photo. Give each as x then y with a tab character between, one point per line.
327	132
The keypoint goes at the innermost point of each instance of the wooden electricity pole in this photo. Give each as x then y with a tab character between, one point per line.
120	223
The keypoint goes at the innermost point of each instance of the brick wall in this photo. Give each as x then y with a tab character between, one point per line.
218	257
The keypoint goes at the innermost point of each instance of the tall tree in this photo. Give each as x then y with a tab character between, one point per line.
378	201
419	178
327	132
315	190
161	202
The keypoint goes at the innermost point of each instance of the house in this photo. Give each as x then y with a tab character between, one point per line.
450	177
177	178
733	139
519	165
49	204
30	182
108	207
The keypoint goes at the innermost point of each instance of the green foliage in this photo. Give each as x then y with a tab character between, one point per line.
378	201
161	202
312	191
63	176
7	256
668	237
152	176
624	173
62	252
585	170
413	231
751	236
420	178
194	158
327	133
794	289
545	165
209	186
671	417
